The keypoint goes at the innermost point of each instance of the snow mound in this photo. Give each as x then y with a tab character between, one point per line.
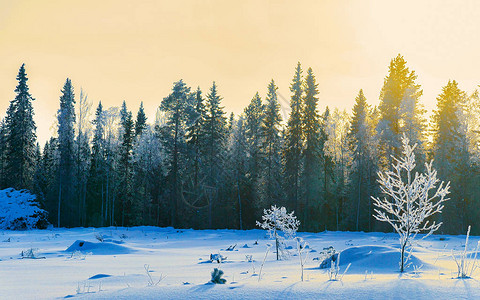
19	210
379	259
104	248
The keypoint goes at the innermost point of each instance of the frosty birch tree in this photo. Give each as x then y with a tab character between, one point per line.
277	219
411	203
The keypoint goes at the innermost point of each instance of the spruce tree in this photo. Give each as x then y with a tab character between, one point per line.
215	132
313	149
21	136
294	142
180	111
66	120
254	115
399	106
128	211
271	133
362	144
96	178
450	153
141	122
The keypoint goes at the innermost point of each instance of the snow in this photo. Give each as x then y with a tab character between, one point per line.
19	210
115	268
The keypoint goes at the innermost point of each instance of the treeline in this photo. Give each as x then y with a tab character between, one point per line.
194	166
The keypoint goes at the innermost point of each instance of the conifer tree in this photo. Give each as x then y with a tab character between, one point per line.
180	111
82	154
313	148
196	136
126	168
3	154
450	152
96	179
215	132
294	141
254	115
271	146
21	136
141	122
362	144
399	106
66	135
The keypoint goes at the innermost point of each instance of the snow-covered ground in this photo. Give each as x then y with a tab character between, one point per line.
115	268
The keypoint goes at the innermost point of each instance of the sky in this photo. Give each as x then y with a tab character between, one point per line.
135	50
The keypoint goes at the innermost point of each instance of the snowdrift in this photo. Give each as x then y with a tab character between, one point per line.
19	210
379	259
104	248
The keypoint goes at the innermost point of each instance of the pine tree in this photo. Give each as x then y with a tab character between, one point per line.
450	152
66	135
21	136
82	155
141	122
180	111
215	132
96	179
313	148
361	139
398	107
271	147
254	115
126	168
3	154
294	141
196	138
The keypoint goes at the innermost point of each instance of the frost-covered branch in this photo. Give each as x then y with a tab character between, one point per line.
410	199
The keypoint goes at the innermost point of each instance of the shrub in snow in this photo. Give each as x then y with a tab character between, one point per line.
19	210
152	282
277	220
263	262
467	263
302	254
334	270
217	257
217	277
411	200
30	253
328	256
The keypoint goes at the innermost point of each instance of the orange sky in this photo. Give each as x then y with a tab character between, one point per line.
135	50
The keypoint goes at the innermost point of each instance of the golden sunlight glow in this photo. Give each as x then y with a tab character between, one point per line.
135	50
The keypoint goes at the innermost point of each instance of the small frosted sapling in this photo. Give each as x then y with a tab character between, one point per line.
263	262
217	277
277	220
467	263
410	200
302	253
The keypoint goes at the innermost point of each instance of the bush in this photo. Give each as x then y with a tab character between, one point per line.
217	276
19	210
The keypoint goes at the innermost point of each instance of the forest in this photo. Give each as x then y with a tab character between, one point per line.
195	166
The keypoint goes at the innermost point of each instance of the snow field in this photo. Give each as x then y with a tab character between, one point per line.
115	268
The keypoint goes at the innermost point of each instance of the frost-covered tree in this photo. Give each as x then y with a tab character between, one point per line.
411	199
277	219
